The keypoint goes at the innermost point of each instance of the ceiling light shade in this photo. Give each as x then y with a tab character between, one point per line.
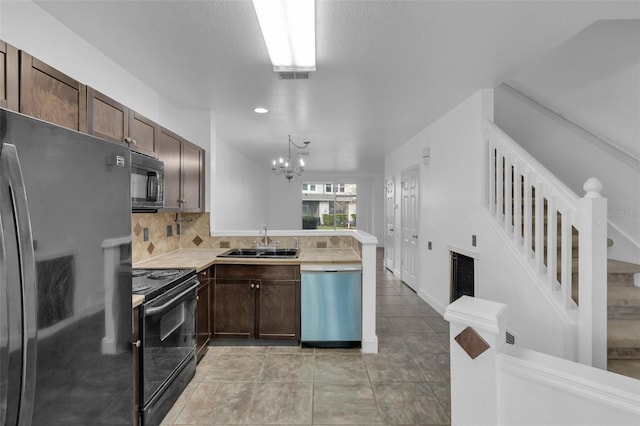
285	166
289	31
260	110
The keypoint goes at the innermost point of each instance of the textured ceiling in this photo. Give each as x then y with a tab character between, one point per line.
385	69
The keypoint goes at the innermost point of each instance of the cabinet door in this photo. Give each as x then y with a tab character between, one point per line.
169	148
50	95
203	332
234	309
144	133
9	82
278	310
192	178
107	118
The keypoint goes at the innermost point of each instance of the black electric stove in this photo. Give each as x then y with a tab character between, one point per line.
153	282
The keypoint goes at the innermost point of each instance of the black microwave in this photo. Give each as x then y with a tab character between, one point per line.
147	183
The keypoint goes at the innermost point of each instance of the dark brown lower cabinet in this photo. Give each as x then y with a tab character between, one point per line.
257	302
203	329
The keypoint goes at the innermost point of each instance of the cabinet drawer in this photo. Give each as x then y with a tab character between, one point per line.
263	272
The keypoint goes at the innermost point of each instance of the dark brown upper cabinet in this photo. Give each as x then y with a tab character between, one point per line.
193	178
169	146
113	121
183	173
143	134
50	95
107	118
9	80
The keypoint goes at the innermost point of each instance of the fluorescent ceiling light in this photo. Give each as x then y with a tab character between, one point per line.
289	30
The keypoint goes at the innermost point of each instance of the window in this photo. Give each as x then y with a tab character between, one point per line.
335	208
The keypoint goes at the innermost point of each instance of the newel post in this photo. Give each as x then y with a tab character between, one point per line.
476	334
592	282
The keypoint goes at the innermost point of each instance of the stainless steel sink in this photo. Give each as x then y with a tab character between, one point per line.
263	252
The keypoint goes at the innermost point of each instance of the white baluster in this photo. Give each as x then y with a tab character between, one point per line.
499	185
566	260
527	214
517	227
508	197
552	242
539	229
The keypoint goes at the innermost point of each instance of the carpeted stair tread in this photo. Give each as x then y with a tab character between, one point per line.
619	267
623	339
623	302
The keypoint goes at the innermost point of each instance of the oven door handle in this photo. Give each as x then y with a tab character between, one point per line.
160	309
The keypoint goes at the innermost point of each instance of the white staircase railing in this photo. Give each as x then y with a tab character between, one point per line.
561	236
494	383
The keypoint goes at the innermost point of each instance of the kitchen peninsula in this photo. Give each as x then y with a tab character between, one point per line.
196	249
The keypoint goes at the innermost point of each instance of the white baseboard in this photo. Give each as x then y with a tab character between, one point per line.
370	345
432	302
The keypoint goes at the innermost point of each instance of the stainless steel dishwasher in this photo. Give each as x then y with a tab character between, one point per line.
331	305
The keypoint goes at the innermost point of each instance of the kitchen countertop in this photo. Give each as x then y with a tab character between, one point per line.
201	259
137	300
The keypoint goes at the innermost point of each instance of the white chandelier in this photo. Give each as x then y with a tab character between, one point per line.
285	166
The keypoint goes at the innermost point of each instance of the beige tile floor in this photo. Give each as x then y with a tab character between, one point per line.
407	382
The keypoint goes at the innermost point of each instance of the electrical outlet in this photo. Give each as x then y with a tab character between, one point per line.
474	240
178	229
169	231
145	234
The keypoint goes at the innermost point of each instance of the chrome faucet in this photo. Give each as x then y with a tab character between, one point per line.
266	238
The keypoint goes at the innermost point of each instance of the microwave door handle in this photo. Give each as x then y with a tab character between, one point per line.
152	186
11	170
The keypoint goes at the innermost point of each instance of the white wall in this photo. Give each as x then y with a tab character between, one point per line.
240	197
450	213
574	158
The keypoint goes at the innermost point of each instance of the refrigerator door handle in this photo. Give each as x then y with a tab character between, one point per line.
4	327
11	170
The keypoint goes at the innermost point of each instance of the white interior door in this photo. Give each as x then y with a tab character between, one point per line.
390	220
409	222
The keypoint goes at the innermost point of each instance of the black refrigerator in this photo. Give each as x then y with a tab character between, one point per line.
65	277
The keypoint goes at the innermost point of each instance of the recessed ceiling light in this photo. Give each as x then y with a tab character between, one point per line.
261	110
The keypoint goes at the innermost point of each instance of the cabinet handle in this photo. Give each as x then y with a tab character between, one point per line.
134	142
253	285
197	298
257	285
137	343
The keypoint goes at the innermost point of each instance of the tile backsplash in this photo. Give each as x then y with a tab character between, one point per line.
156	226
193	228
